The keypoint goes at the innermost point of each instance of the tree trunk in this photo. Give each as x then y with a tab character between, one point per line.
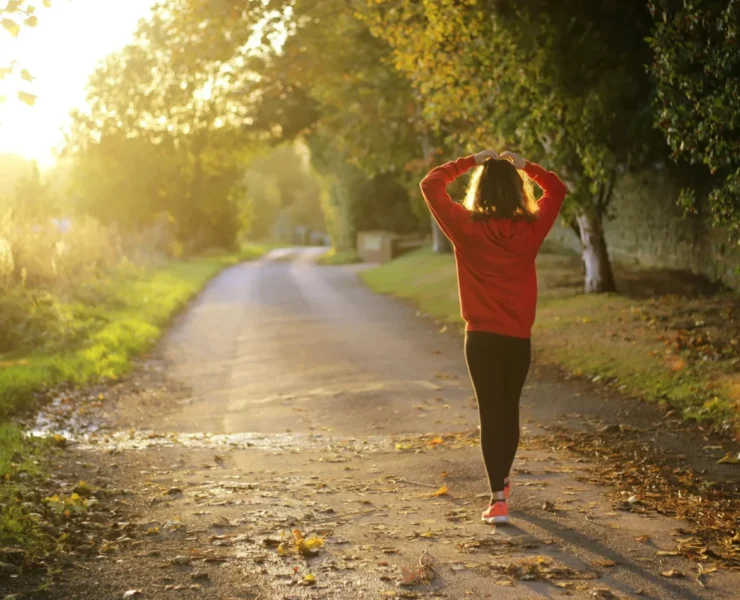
599	276
440	243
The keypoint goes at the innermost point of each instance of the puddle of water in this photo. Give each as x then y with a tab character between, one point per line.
142	440
68	416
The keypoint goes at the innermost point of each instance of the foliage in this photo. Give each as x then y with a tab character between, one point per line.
697	70
162	136
331	82
19	473
564	84
40	253
336	257
32	196
14	17
105	323
282	189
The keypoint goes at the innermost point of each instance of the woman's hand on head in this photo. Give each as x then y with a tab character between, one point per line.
484	155
515	159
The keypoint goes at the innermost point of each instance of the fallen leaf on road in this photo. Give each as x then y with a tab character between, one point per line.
672	573
604	562
603	593
440	492
643	539
410	576
133	594
309	579
730	459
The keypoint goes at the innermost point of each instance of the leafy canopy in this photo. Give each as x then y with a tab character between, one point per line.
15	16
697	71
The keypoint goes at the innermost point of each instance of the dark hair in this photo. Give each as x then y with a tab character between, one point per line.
498	191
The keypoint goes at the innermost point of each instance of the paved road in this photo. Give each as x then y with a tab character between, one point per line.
270	338
300	400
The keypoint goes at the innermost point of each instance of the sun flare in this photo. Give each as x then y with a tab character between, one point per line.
72	37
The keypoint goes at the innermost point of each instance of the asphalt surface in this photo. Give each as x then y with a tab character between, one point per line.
289	397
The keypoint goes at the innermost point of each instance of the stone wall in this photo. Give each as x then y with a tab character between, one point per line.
647	227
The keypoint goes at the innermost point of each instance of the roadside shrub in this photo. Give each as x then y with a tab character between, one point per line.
30	319
52	255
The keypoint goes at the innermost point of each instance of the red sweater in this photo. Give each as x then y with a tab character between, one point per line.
497	280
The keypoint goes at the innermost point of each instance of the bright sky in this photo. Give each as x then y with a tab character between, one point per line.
71	39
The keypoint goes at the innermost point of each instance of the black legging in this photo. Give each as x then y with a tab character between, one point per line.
498	367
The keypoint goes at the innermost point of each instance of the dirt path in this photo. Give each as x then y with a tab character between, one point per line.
295	436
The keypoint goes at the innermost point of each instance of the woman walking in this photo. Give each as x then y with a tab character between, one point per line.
496	234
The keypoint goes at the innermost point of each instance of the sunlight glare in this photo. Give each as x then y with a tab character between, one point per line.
71	39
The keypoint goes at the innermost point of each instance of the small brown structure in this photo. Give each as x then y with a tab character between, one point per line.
384	246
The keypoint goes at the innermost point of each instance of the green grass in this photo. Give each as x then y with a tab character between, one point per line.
336	257
107	325
423	277
125	316
257	250
20	471
618	340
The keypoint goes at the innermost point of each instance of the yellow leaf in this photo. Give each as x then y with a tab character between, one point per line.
47	3
440	492
26	76
310	579
314	543
730	459
32	21
672	573
29	99
11	26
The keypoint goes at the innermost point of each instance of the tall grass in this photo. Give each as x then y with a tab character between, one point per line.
42	254
46	266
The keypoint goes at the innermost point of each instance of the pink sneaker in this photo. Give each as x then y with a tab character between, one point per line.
498	512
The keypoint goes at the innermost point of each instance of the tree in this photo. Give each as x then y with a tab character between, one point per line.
280	182
563	83
14	17
32	196
331	82
697	71
165	119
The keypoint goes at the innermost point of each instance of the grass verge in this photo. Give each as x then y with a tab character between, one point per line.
105	326
667	337
336	257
